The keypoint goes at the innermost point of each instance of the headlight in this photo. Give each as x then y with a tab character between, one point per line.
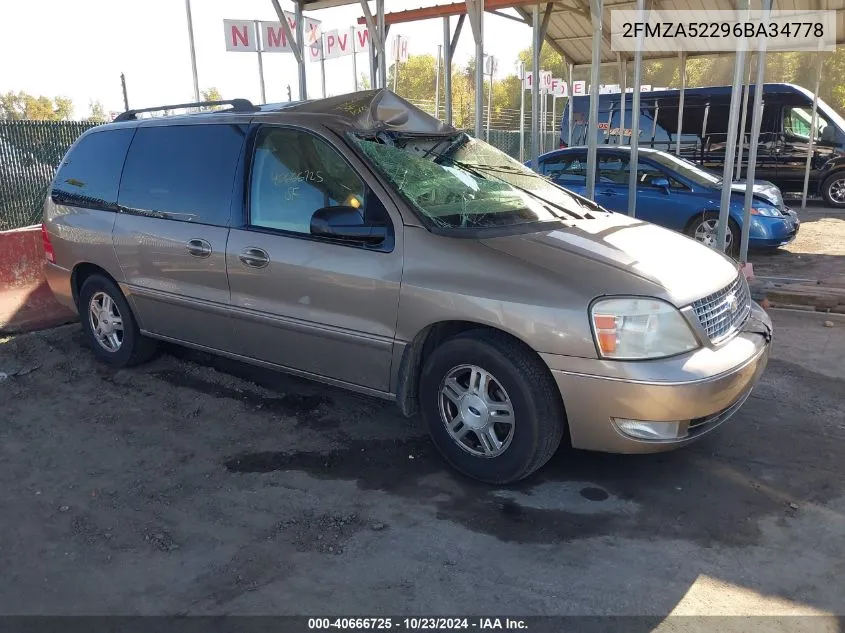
760	208
638	328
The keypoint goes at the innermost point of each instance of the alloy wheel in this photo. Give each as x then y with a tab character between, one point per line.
477	411
707	233
836	191
106	322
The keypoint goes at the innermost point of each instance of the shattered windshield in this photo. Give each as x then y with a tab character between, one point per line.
457	182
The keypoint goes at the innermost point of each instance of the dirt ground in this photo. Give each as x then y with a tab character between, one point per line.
818	251
199	486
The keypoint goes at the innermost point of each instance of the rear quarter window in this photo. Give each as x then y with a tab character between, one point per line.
183	172
89	175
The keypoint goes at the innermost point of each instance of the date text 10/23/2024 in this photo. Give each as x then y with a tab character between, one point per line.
417	624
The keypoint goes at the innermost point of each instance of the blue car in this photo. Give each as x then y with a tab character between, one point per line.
675	193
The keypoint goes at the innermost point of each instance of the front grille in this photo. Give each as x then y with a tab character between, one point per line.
724	312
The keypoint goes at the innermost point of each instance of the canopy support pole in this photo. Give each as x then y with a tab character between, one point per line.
447	71
522	112
382	44
535	89
623	86
295	43
756	118
475	10
635	117
744	117
193	50
730	142
437	82
570	104
811	145
371	28
682	60
596	7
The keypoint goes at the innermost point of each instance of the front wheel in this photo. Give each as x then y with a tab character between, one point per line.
491	406
833	190
704	229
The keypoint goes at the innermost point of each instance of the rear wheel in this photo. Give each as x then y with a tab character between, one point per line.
704	228
833	189
491	406
110	326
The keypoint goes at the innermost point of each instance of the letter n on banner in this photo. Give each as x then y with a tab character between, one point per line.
240	36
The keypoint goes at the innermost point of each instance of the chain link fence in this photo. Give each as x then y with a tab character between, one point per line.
508	142
30	151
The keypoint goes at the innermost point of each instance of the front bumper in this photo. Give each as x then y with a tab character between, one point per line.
700	390
772	232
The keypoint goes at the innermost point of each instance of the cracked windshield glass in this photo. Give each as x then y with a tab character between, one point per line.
457	182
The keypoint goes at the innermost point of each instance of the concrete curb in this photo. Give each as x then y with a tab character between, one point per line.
826	295
26	301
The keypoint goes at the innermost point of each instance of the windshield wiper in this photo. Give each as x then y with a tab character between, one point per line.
455	144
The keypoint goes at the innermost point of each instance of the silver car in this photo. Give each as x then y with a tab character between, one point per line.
360	242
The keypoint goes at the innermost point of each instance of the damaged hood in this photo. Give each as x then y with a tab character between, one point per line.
764	189
685	269
376	110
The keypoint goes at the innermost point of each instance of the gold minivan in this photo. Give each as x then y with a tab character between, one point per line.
358	241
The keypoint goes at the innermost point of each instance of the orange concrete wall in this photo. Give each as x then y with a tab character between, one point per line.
26	302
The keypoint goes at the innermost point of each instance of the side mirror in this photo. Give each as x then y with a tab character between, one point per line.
347	224
661	183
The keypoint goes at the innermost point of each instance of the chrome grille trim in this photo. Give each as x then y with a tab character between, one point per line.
714	311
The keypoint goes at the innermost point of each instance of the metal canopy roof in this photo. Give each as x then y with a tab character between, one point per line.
570	30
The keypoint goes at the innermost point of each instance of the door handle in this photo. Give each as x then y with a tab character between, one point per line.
608	192
198	247
254	257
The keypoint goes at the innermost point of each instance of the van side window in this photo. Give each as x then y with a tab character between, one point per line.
90	174
566	170
798	119
182	172
294	174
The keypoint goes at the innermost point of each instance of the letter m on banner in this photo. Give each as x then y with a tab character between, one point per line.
240	36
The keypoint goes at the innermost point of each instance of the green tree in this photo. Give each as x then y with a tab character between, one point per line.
21	105
98	112
63	108
415	81
210	94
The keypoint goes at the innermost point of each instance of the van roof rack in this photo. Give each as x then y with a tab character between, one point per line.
238	105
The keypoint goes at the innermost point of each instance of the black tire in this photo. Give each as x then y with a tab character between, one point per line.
538	413
733	233
134	348
832	197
